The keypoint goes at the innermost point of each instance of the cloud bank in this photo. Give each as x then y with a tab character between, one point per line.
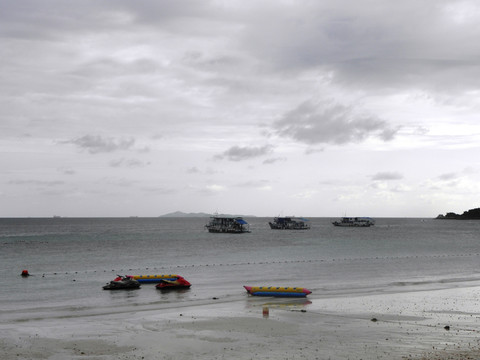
314	123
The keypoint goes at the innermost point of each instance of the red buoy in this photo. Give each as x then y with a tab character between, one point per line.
25	273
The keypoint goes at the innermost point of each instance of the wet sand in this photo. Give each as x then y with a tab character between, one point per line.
411	324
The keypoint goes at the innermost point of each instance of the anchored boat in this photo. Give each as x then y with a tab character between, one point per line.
219	224
355	222
289	223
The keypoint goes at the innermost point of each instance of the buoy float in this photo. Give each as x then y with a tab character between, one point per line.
25	273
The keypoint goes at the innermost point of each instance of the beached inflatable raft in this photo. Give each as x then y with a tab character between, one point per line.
278	291
155	278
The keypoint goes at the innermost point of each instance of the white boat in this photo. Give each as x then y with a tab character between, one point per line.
355	222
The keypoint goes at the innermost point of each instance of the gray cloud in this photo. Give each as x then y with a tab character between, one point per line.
95	144
448	176
238	153
310	151
367	47
120	182
66	171
386	175
357	44
37	182
273	160
316	123
158	190
256	184
129	163
193	170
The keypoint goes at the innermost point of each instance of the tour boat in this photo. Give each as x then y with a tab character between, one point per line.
220	224
289	223
355	222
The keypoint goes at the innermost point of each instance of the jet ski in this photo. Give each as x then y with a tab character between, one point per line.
122	282
179	283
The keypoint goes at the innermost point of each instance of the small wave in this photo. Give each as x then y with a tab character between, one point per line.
436	281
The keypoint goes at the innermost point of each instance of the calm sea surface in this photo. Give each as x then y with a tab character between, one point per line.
72	258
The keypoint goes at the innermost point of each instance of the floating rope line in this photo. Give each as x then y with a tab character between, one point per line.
186	266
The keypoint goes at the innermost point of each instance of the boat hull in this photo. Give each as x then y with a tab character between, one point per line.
229	231
274	226
277	291
354	222
351	225
162	286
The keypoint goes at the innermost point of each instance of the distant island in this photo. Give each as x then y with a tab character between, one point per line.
182	214
472	214
179	214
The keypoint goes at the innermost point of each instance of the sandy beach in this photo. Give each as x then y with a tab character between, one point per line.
427	324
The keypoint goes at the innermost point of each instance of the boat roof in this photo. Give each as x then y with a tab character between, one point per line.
237	219
292	217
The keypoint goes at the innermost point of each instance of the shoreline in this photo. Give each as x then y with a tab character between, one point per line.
435	324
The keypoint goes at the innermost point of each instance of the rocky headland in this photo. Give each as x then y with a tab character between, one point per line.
472	214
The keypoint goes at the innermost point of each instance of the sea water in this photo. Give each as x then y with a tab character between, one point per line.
70	259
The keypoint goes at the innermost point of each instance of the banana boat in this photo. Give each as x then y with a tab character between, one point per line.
279	291
155	278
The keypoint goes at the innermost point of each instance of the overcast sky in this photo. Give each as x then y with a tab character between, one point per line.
305	108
